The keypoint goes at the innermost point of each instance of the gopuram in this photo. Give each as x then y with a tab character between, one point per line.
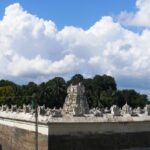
75	126
76	103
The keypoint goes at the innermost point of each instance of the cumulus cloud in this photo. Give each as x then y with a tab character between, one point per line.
37	66
33	48
139	18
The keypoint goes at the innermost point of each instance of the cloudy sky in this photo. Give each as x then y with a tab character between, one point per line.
40	40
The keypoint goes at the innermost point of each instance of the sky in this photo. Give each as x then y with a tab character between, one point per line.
79	13
43	39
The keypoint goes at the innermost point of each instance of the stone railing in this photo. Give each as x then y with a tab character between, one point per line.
97	112
27	109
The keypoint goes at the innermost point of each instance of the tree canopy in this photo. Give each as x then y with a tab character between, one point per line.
101	91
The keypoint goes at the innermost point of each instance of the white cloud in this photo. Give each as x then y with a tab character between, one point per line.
33	48
37	66
139	18
94	60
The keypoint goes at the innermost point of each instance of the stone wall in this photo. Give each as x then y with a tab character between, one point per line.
110	141
76	136
59	129
13	138
99	136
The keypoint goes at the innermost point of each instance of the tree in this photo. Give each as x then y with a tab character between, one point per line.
88	83
101	91
104	82
4	83
75	79
134	99
57	89
6	93
103	88
27	92
119	99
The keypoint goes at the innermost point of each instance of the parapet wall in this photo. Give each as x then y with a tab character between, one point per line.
74	127
20	135
106	130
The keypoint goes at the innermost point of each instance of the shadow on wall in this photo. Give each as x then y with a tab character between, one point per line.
0	147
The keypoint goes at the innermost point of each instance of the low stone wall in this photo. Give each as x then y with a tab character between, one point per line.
98	128
99	136
19	139
12	137
20	135
115	141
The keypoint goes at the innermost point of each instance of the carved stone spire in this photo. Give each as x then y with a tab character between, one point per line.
76	102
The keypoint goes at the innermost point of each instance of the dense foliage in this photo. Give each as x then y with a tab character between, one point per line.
101	91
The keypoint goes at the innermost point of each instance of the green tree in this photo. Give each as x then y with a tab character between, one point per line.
101	91
88	83
57	89
75	79
134	98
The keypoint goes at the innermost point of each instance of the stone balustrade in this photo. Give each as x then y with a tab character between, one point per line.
43	111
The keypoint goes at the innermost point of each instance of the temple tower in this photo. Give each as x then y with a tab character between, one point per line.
76	103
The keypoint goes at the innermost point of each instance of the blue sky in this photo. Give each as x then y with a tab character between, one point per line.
81	13
43	39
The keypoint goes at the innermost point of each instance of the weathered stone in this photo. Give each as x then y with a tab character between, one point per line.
147	110
13	108
75	102
91	111
12	138
98	113
126	109
57	113
7	109
73	136
19	109
4	107
139	110
41	110
26	108
48	112
106	110
115	111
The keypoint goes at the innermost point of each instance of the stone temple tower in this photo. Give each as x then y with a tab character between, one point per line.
76	102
